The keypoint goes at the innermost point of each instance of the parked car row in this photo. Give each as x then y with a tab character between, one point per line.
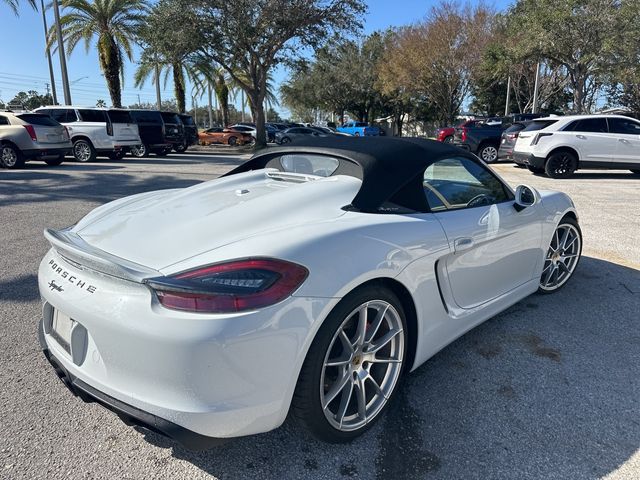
553	145
90	132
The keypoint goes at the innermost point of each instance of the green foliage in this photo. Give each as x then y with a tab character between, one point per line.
31	100
14	4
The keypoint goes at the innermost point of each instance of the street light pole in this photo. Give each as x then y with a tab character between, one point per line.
506	105
63	60
534	109
48	50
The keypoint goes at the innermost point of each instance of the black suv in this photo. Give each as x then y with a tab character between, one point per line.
173	130
151	129
190	133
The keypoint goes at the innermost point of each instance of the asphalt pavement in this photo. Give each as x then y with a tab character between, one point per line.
548	389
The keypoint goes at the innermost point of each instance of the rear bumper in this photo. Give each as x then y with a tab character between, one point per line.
46	152
127	413
528	159
505	153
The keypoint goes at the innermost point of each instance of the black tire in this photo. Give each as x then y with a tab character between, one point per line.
11	157
163	153
180	148
139	151
536	170
561	164
285	140
54	162
567	220
119	155
357	134
306	405
488	152
637	172
232	141
448	139
83	151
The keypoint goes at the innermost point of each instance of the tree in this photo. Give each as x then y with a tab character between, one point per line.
113	24
248	38
101	103
14	4
178	70
549	29
31	100
454	38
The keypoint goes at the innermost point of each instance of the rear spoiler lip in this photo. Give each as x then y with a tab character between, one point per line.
79	253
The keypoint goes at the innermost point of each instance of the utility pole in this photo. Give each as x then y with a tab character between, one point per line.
48	51
506	105
63	60
242	100
534	109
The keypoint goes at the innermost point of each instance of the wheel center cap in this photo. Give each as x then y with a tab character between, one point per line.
357	360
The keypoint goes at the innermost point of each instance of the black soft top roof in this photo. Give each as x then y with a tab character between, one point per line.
391	168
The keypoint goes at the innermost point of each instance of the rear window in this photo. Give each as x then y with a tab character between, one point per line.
320	165
187	120
516	127
119	116
170	117
36	119
62	115
538	125
4	120
92	115
150	116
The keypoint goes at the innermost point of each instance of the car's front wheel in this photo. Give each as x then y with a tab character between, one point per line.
233	141
139	151
562	256
83	151
11	157
353	367
488	153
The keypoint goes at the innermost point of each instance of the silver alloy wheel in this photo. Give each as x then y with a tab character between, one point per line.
489	154
362	365
82	151
138	150
562	257
9	157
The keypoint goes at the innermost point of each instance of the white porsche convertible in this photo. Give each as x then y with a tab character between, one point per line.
310	278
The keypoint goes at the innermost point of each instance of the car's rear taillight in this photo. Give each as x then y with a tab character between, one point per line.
229	287
32	132
512	136
463	134
538	136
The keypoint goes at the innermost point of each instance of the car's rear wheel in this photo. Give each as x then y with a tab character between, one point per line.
562	256
11	157
180	148
536	170
139	151
233	141
285	140
488	153
54	162
353	367
561	164
83	151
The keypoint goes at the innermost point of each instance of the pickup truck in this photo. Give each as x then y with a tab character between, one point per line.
359	129
481	139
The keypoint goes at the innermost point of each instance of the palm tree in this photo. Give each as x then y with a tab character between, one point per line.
13	5
114	24
179	70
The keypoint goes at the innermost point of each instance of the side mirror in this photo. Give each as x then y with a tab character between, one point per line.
526	196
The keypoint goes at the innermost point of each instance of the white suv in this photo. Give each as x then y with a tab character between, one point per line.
565	144
96	131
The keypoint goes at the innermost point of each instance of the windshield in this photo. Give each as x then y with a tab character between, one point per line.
169	117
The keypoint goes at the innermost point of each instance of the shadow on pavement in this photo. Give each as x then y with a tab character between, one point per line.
547	389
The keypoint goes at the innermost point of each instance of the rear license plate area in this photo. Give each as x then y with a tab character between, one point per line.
61	327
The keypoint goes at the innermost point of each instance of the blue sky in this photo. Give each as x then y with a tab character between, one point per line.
23	64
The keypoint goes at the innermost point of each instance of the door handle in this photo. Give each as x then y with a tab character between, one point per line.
581	137
461	244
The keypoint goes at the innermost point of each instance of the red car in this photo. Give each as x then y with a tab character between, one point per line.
445	134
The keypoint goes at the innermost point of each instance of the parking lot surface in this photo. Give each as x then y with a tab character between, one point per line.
548	389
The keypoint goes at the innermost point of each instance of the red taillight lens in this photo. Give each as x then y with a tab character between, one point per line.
230	287
32	132
512	136
463	134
